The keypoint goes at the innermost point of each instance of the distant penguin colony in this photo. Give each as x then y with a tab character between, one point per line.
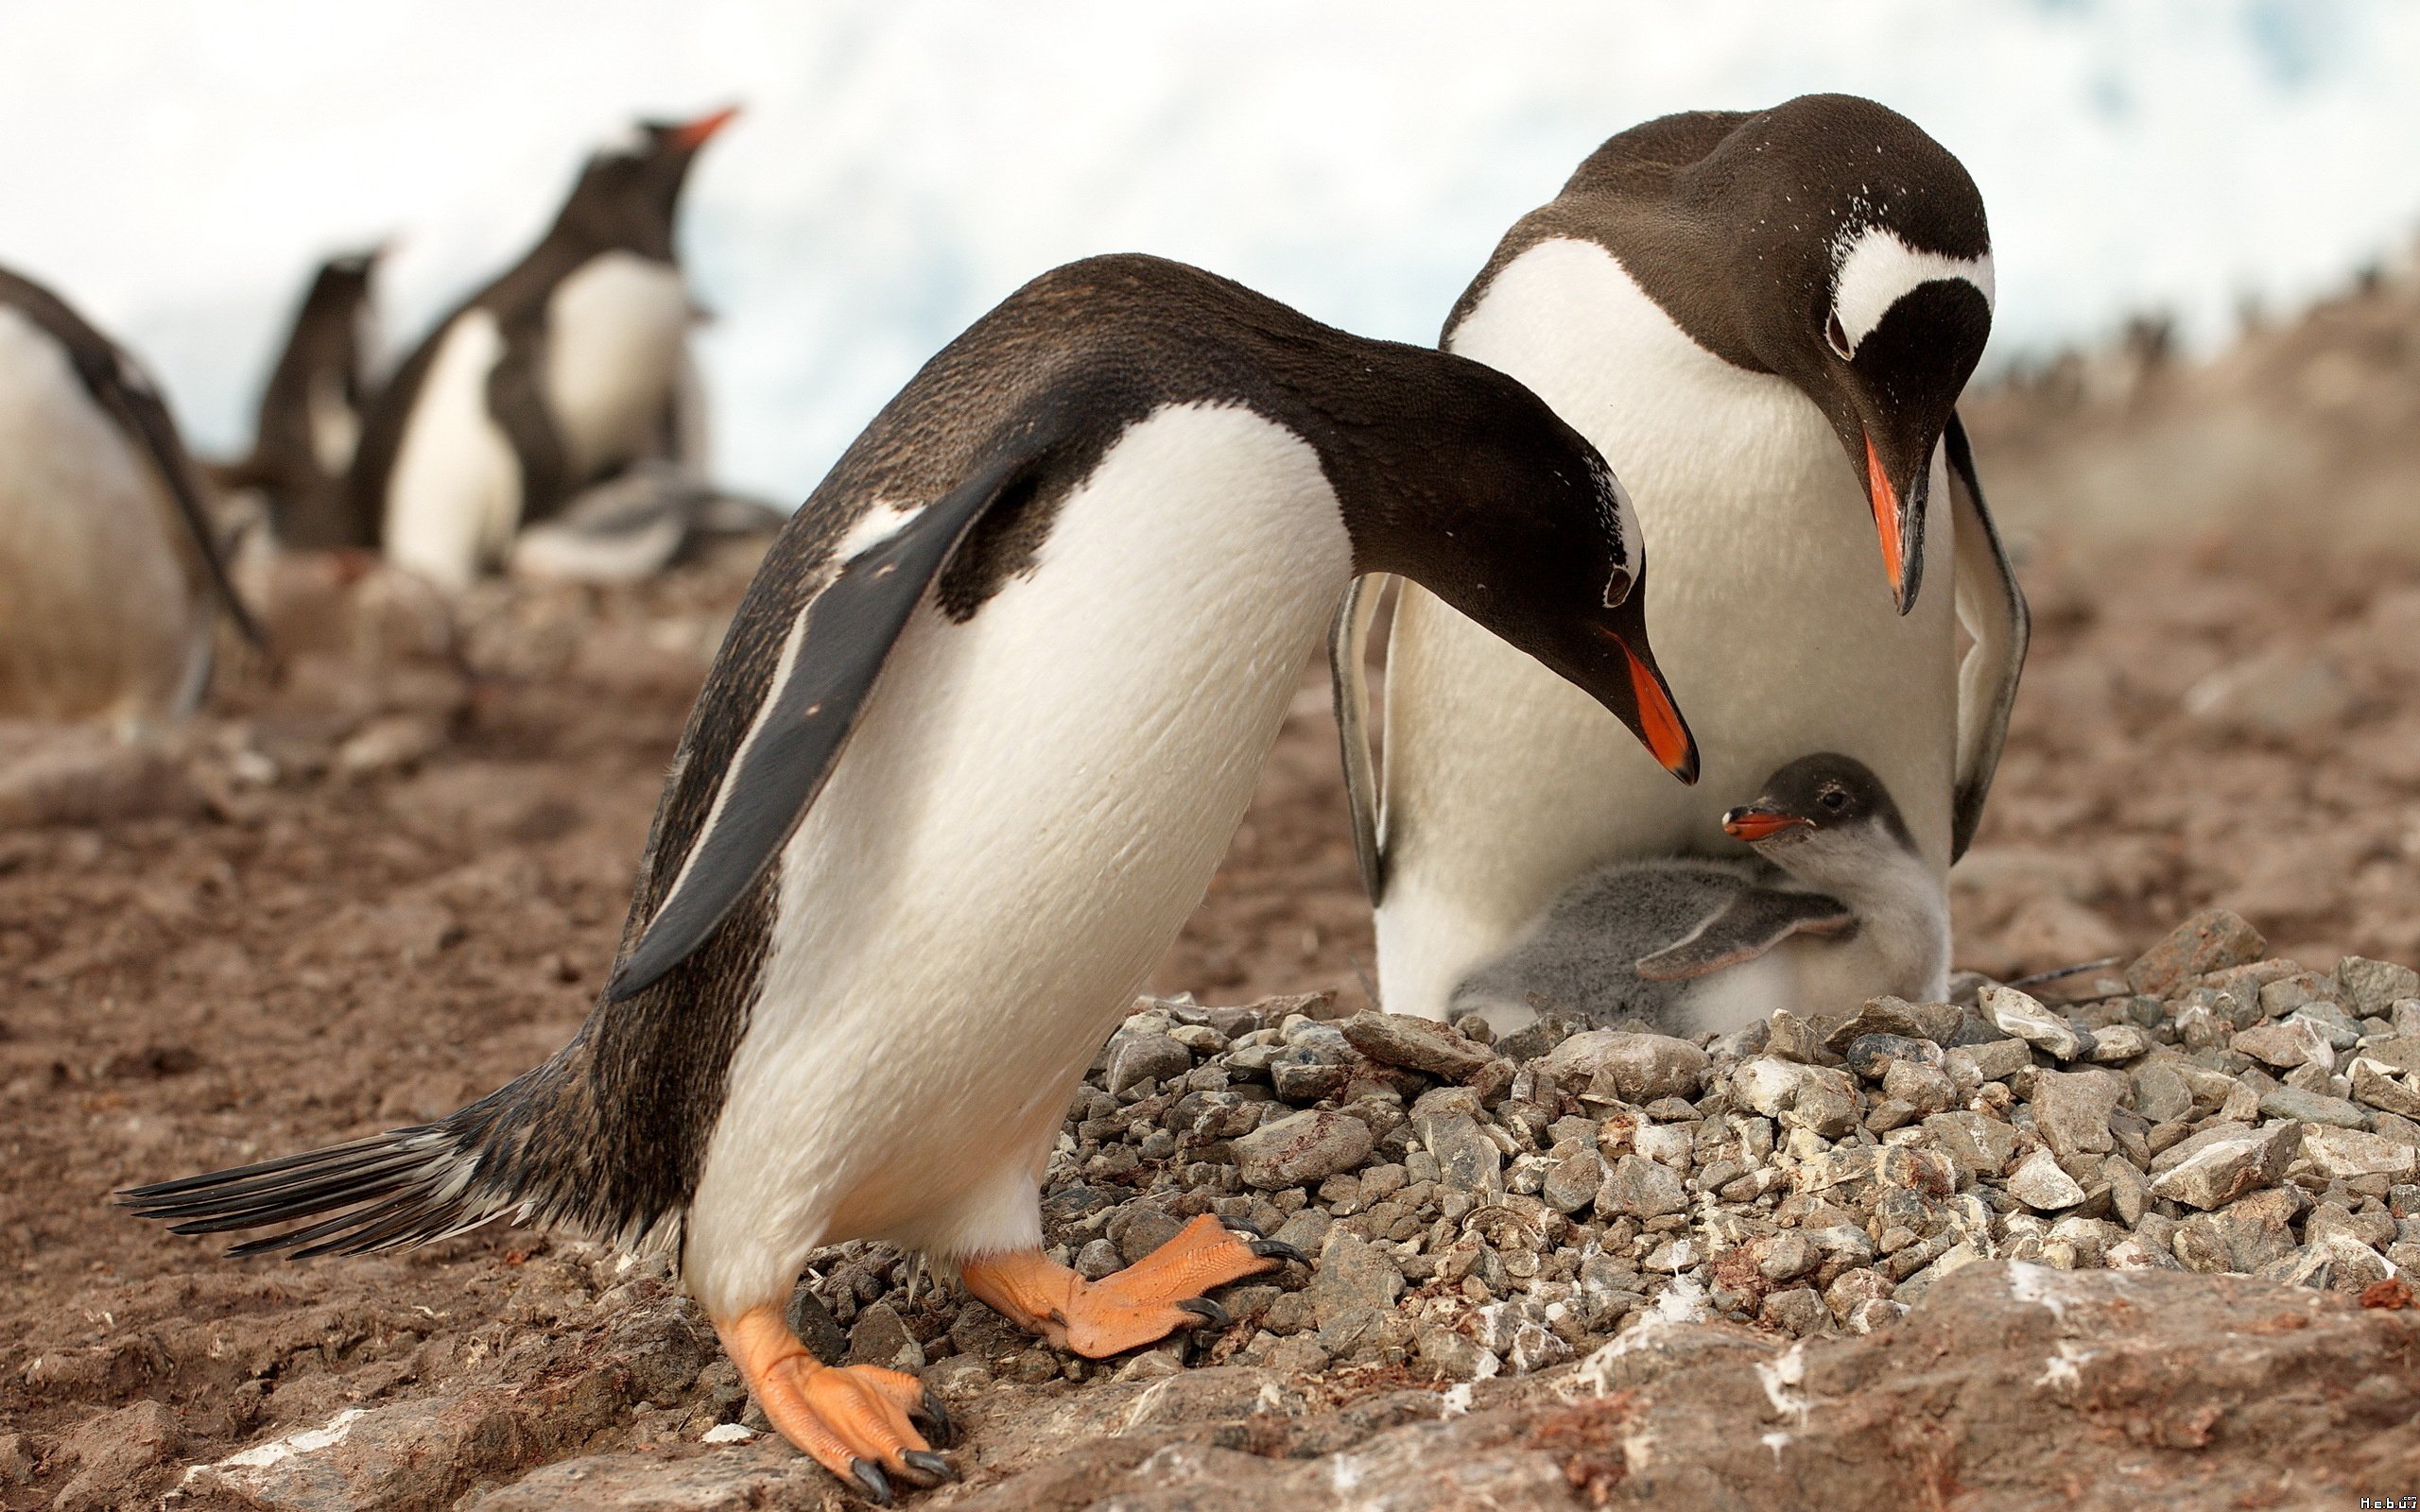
111	576
568	371
310	414
1732	306
979	735
1839	907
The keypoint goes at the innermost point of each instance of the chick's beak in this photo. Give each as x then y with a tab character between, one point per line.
696	134
1752	824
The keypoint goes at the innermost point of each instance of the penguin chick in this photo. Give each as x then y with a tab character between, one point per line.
983	726
311	409
1840	908
111	576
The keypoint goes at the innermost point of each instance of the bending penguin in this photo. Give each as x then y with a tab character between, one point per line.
1736	305
1839	907
981	731
566	372
311	411
111	578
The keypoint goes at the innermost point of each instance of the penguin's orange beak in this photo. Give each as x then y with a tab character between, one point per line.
1659	719
1888	526
1752	824
698	132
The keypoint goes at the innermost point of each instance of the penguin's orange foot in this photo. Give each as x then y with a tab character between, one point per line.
1147	1301
854	1420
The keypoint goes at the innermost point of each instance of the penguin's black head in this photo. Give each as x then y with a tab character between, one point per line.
627	192
1813	796
1514	520
1862	267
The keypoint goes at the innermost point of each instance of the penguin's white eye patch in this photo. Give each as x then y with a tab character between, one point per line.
1873	270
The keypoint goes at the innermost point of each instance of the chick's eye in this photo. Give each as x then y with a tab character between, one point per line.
1834	798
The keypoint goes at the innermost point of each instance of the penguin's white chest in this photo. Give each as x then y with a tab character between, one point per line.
1766	597
99	614
1033	803
614	334
454	499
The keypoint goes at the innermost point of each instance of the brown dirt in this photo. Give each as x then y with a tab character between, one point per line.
374	891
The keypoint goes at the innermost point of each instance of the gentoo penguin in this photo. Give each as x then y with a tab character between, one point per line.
564	372
310	413
1734	305
979	735
111	579
1840	909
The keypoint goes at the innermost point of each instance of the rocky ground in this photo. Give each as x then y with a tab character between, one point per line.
2109	1242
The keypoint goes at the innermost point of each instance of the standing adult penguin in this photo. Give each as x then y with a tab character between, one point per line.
982	728
111	580
1734	304
569	368
311	412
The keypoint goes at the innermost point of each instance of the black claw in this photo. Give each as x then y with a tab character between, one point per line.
1210	1313
1280	1249
938	1427
1245	1226
929	1464
869	1474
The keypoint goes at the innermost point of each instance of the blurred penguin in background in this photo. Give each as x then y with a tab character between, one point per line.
111	578
558	400
311	413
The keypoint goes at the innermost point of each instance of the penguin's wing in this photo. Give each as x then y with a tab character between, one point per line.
134	400
1992	607
516	397
830	659
1754	922
1348	645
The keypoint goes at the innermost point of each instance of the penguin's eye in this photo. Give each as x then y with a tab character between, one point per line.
1834	798
1836	334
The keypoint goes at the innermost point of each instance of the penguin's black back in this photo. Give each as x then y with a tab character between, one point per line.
324	354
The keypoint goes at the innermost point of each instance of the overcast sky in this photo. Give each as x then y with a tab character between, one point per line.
177	169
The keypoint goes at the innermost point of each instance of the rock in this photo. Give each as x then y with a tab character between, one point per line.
2286	1044
1787	1256
1571	1183
1819	1098
1992	1060
2040	1184
1416	1044
1455	1356
2312	1107
2119	1042
2211	941
1639	1187
762	1471
83	774
2340	1153
2161	1094
879	1337
16	1460
1798	1311
391	743
1467	1159
2371	988
1301	1148
2220	1165
110	1451
2242	1239
1637	1068
2016	1014
1352	1276
1787	1036
2374	1087
2281	692
2071	1110
2400	1053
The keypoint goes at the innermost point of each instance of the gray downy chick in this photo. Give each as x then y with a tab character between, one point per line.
1838	908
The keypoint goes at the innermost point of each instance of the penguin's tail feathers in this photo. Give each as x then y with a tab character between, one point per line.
408	1186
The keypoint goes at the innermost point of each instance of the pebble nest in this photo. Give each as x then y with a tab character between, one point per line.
1481	1207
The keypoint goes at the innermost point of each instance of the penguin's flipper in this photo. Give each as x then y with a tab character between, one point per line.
1992	607
837	644
1756	920
517	401
135	402
1348	647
